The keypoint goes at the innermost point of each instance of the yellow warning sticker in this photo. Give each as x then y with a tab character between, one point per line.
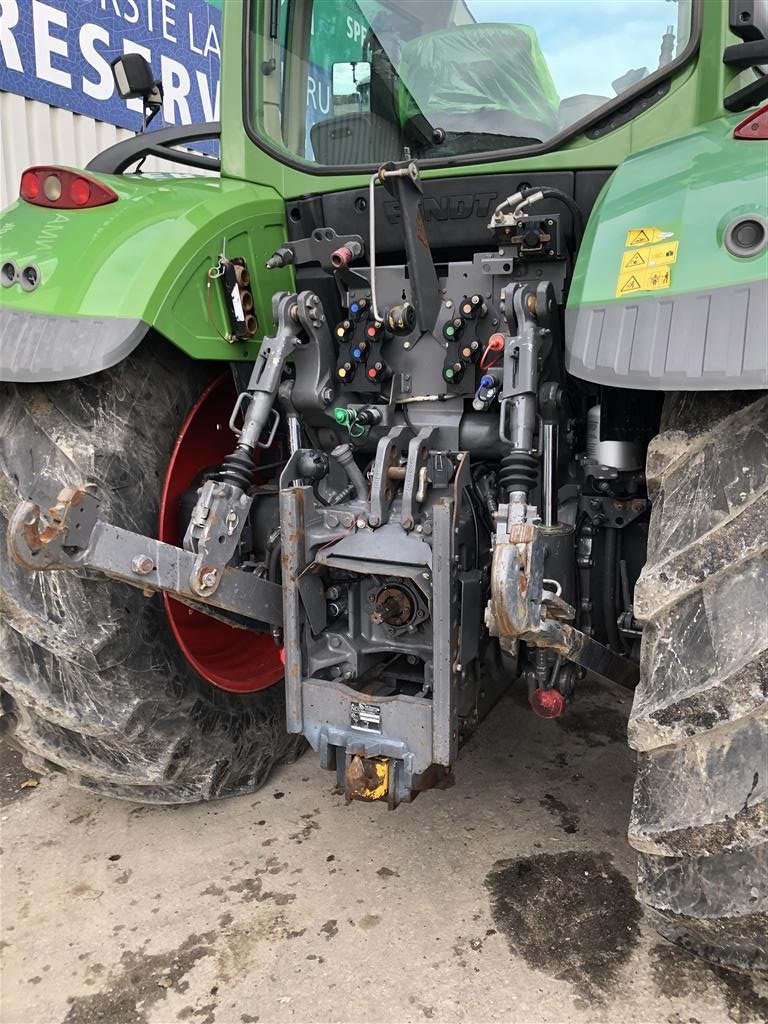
650	256
645	280
646	236
634	259
661	255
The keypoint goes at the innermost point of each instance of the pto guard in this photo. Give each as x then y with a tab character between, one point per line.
106	276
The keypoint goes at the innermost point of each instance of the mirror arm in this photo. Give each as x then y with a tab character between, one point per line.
153	104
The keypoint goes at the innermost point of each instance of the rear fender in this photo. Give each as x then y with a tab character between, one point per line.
108	275
662	297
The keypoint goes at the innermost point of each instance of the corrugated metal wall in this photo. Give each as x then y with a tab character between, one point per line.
34	133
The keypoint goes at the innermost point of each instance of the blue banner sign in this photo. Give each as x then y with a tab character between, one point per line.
59	51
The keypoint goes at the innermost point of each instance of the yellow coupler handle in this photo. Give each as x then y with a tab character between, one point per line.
367	778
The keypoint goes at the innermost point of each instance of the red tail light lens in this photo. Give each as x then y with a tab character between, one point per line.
753	127
63	189
80	192
30	186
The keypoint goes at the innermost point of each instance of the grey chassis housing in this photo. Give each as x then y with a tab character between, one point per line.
38	347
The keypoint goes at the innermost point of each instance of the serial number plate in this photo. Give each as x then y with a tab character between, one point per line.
365	716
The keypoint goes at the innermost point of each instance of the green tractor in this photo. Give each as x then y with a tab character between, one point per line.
448	382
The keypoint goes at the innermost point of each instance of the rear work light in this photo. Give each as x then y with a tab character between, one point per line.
753	127
63	190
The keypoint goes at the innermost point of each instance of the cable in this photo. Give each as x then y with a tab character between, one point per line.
407	419
492	346
609	588
467	491
380	175
212	275
372	237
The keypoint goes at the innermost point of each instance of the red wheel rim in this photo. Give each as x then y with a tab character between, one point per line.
232	659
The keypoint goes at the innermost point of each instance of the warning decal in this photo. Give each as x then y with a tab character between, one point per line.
649	280
628	283
646	268
635	259
661	255
646	236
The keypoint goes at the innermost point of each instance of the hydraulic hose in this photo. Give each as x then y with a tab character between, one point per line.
343	455
609	588
563	197
528	196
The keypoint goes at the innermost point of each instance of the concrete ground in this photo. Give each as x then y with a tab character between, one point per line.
505	898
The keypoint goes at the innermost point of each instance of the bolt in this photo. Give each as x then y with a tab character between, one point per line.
142	565
331	519
426	576
449	304
406	344
231	522
372	521
208	578
334	641
360	523
328	395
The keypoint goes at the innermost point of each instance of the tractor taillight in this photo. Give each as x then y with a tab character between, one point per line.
753	127
30	186
63	189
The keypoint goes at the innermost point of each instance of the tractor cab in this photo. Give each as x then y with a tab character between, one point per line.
365	81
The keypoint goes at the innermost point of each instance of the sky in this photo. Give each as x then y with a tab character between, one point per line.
588	43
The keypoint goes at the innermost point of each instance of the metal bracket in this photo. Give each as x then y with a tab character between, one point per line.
520	607
382	487
415	483
74	538
609	512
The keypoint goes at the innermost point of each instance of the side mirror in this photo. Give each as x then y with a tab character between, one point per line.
134	80
351	86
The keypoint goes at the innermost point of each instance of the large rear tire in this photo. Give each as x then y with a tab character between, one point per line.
699	714
94	683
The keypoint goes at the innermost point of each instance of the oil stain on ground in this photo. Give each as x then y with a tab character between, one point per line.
595	724
141	980
570	914
678	974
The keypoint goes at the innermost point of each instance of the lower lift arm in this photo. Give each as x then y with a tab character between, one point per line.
73	537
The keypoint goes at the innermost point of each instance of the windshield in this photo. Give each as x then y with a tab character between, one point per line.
340	82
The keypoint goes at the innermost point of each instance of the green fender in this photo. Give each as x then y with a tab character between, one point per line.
109	274
669	290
